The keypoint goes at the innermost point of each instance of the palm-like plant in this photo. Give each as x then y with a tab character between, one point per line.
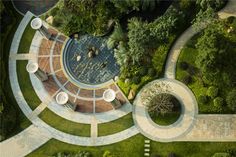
117	36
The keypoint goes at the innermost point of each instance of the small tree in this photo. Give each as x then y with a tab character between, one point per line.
218	103
212	92
202	99
231	100
161	103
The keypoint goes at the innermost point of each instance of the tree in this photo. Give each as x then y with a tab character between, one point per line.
204	18
149	5
218	103
202	99
117	36
215	4
126	5
231	100
139	38
212	92
161	104
121	54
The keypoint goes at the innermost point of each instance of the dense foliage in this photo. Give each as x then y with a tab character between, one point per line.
212	53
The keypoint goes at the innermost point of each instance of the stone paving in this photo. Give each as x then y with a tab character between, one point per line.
24	142
166	133
215	127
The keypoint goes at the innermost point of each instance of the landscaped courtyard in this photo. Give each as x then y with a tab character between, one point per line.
118	78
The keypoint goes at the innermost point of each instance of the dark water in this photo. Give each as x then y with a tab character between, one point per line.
91	71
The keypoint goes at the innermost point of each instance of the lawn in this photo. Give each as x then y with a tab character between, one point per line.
12	118
64	125
167	119
134	147
115	126
26	40
26	85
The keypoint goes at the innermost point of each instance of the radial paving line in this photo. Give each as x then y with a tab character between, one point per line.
40	131
77	116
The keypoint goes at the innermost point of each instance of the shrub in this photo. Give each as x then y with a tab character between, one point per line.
212	92
155	155
54	11
191	70
143	71
57	22
136	79
171	155
183	65
231	100
187	79
202	99
151	72
218	103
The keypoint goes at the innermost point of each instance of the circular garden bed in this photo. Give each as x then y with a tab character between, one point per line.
164	109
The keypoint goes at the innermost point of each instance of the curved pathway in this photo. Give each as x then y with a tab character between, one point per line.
180	127
85	118
40	132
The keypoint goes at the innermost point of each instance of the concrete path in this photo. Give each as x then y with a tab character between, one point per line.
181	130
213	127
166	133
40	132
23	143
27	56
228	10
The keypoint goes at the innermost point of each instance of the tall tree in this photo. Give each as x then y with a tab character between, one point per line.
139	38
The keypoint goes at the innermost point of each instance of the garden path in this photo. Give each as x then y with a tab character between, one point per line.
39	132
209	127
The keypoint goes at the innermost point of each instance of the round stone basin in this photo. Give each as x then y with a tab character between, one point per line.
82	68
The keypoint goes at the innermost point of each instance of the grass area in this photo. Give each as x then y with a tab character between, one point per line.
26	40
191	149
12	118
167	119
26	85
64	125
134	147
115	126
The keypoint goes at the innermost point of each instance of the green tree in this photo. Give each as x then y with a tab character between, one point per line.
161	104
126	5
218	103
117	36
212	92
231	100
139	38
215	4
204	18
121	54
